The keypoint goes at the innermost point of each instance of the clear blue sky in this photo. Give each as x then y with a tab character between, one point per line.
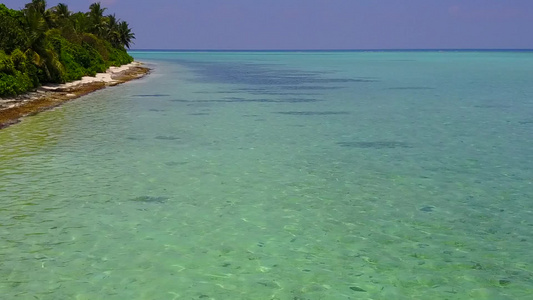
321	24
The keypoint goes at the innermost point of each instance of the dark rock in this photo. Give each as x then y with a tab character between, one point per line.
167	137
374	145
312	113
427	208
150	199
151	95
504	282
357	289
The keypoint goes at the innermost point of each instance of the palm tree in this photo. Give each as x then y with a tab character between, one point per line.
61	16
37	48
126	36
80	22
39	7
36	28
112	32
61	11
96	19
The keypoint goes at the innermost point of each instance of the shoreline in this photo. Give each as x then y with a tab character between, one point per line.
46	97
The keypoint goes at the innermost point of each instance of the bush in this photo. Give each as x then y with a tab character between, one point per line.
61	50
18	83
6	63
118	57
12	34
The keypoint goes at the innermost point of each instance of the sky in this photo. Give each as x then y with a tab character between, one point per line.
320	24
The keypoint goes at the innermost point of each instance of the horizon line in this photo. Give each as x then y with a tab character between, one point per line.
334	50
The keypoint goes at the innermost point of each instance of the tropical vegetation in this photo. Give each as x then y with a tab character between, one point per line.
40	45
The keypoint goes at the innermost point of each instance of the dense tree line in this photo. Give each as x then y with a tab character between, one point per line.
41	45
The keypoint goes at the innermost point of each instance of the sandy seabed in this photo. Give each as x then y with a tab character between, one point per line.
49	96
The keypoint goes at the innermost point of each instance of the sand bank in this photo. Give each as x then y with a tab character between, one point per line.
50	96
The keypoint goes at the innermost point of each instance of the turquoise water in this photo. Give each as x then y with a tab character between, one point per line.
327	175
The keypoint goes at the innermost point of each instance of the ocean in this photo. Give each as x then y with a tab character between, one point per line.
278	175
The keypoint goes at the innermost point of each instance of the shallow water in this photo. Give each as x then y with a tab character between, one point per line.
264	175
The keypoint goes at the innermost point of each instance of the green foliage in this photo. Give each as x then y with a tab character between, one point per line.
14	78
6	63
118	57
12	34
126	36
39	45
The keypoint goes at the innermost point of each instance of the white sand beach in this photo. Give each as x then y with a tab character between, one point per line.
52	95
109	78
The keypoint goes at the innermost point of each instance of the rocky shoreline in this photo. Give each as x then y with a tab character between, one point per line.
50	96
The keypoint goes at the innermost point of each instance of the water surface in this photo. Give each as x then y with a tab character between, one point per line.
275	175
